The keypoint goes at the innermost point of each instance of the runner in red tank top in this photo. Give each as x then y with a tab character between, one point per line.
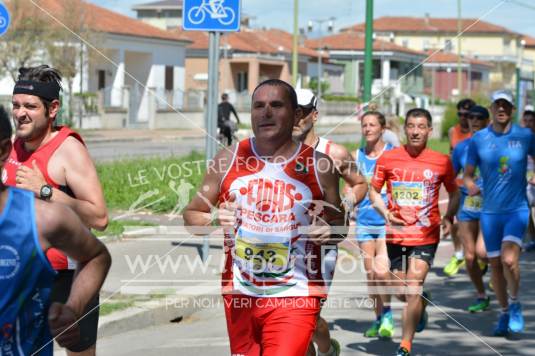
53	163
413	175
304	132
266	195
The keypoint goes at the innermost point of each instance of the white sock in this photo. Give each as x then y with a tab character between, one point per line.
459	255
328	353
513	300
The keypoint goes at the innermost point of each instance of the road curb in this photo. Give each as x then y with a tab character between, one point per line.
172	308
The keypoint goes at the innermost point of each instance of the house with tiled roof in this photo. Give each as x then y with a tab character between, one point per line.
440	74
247	57
132	63
395	68
480	39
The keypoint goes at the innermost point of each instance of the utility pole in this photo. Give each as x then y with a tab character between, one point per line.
330	22
518	73
295	43
459	69
368	53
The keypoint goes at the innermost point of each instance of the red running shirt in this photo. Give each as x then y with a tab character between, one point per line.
20	157
413	185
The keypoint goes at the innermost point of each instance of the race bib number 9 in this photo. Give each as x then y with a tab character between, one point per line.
272	257
408	193
473	203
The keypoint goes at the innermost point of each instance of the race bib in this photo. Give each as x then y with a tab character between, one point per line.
260	256
473	203
408	193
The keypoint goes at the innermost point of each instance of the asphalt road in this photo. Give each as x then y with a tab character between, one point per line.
451	330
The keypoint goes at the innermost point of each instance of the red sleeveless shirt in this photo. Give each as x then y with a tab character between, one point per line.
20	157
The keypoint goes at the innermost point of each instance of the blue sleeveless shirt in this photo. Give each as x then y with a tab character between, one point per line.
26	278
366	214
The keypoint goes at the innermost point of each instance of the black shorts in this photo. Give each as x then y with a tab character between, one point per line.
399	255
89	324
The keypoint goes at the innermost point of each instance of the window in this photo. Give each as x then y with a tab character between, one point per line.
405	43
243	79
169	78
101	79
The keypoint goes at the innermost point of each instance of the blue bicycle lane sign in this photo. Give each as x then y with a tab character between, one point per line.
212	15
4	19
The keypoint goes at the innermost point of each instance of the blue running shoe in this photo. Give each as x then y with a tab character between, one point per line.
516	320
422	323
502	329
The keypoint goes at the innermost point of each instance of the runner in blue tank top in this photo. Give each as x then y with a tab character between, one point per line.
370	230
500	151
28	227
469	214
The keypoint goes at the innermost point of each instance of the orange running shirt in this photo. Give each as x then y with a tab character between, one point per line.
413	185
457	136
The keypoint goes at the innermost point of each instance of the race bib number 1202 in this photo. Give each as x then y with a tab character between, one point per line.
408	193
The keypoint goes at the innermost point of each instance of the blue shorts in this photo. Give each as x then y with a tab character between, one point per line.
370	233
498	228
469	208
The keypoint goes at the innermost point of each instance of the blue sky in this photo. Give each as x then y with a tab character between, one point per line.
279	13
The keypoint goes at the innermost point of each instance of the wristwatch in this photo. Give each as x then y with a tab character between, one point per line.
46	192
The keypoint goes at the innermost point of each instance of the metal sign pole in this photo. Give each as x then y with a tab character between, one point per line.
211	111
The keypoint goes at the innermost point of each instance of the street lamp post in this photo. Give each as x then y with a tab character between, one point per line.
330	26
518	79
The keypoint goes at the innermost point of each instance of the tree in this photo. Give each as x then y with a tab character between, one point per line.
26	40
68	52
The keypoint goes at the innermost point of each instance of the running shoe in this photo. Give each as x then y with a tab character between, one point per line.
516	320
426	297
480	305
403	352
484	267
529	246
502	328
452	268
373	331
336	347
387	325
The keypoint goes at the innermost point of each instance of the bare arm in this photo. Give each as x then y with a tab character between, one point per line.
334	214
346	166
453	207
469	180
61	228
72	166
198	212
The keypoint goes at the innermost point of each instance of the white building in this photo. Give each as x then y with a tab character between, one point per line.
135	70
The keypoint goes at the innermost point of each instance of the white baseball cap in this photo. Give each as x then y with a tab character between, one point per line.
503	94
306	98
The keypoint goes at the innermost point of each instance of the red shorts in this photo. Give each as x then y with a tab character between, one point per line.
270	326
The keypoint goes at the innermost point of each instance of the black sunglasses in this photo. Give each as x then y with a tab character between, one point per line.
459	113
477	117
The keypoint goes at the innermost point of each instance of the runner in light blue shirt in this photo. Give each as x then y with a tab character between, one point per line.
500	151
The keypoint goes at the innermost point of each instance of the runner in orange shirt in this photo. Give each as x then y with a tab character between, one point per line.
413	175
456	134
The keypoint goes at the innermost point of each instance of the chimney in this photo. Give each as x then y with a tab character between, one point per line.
426	18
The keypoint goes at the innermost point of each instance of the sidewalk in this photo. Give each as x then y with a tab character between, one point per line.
127	135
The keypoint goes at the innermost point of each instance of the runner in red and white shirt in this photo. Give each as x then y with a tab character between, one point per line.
53	162
413	175
267	189
347	169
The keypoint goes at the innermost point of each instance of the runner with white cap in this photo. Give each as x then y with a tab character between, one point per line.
500	152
